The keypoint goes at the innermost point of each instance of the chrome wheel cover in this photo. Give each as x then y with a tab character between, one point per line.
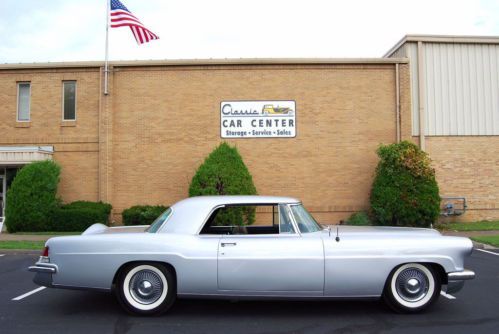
146	287
412	284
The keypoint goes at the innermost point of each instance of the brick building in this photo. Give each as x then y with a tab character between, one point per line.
142	143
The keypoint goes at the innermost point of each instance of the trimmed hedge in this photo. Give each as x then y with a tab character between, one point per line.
76	220
101	207
224	173
33	205
142	214
78	216
32	197
405	191
359	219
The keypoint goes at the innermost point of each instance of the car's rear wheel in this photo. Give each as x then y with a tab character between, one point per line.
412	287
146	288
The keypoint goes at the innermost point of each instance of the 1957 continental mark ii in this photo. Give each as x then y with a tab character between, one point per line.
207	247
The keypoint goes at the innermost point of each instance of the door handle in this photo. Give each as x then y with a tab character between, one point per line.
228	244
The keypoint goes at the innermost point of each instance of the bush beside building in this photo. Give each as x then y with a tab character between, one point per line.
35	207
405	191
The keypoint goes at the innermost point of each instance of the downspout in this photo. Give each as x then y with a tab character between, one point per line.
421	88
99	157
397	99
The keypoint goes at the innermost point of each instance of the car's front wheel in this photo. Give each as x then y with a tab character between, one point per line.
146	288
412	287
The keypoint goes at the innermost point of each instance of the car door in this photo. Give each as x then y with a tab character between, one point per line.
271	264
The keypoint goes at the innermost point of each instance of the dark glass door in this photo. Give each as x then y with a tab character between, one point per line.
2	197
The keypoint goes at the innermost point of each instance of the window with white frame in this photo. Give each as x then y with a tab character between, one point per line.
69	100
23	101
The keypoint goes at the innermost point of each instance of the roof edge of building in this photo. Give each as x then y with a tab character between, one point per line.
204	62
471	39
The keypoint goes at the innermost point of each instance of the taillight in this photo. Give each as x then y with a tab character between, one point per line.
45	251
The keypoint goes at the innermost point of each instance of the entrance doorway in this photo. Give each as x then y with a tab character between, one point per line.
3	187
7	175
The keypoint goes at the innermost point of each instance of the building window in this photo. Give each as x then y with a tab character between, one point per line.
23	101
69	100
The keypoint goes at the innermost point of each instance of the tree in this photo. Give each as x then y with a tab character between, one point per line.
405	191
32	197
224	173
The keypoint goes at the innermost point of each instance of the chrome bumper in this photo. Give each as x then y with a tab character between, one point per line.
456	280
47	268
44	271
461	275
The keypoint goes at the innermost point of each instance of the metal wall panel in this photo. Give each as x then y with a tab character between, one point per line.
412	54
461	88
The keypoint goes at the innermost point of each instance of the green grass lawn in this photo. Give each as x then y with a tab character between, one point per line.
488	239
474	226
36	245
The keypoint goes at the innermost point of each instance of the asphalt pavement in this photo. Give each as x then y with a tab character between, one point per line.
474	310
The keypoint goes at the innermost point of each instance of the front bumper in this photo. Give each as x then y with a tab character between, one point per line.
456	280
44	272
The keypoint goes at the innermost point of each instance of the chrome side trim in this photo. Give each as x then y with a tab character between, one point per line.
461	275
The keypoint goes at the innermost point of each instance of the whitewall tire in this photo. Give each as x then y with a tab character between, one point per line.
412	287
146	288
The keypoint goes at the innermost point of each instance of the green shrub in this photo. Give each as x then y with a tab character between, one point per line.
72	220
79	215
142	214
224	173
359	219
32	197
405	191
101	207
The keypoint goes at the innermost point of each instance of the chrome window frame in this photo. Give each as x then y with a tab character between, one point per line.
166	221
290	215
293	215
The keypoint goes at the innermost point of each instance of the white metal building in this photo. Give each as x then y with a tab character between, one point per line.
454	82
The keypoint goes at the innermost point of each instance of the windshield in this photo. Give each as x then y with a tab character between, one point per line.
159	221
306	223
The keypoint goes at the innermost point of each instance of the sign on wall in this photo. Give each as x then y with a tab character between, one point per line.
258	119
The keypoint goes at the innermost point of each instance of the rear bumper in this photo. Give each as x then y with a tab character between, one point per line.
456	280
43	268
44	272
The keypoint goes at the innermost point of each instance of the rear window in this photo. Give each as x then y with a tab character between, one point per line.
160	221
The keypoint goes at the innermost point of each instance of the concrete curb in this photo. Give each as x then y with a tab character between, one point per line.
480	245
21	251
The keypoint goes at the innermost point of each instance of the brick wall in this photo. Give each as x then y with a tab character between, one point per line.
468	167
143	143
165	121
75	143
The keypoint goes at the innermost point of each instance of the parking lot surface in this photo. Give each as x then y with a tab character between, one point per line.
22	310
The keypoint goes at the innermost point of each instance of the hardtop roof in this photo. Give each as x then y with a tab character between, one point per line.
190	214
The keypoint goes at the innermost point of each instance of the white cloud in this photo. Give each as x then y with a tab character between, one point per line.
74	30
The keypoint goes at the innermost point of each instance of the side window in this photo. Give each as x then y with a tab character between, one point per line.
249	219
285	224
23	101
69	100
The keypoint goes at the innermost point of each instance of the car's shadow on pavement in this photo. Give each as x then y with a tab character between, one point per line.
270	308
106	304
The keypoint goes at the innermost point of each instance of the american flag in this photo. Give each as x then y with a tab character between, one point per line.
122	17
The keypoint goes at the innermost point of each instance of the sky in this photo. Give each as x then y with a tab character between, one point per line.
74	30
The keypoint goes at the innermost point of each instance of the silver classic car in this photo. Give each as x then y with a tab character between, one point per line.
254	247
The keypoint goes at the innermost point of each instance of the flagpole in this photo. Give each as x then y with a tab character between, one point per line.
106	66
